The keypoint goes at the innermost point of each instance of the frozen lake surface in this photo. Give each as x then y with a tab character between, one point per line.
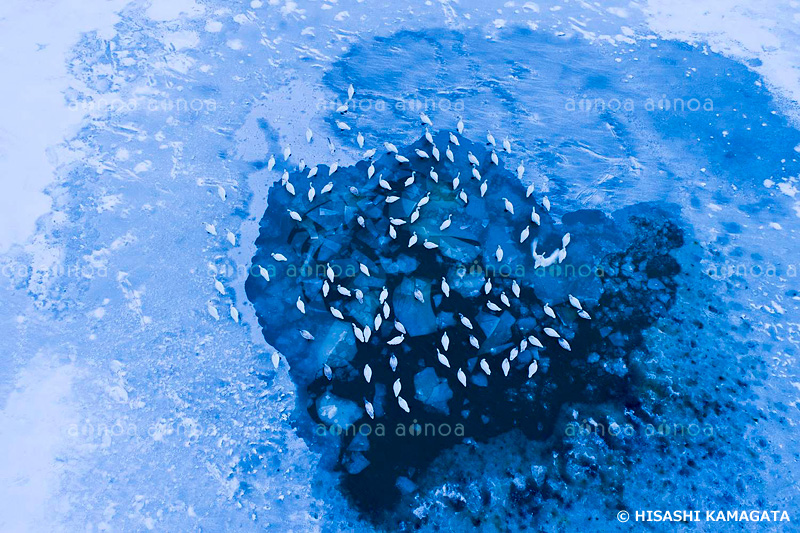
147	387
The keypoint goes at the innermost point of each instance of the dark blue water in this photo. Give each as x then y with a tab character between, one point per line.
666	127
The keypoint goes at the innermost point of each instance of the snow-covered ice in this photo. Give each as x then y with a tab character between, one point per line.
137	391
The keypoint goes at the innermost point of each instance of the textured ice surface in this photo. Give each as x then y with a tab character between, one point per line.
143	411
